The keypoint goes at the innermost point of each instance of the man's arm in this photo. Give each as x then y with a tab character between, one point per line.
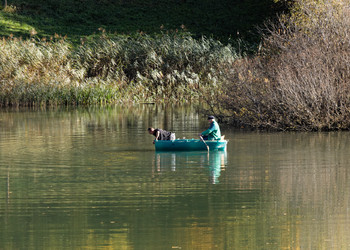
157	135
209	130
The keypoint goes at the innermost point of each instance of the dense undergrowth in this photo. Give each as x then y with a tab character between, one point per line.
300	78
114	69
126	65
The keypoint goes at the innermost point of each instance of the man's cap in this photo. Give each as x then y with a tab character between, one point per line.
211	117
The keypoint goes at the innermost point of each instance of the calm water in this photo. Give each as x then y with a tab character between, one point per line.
90	179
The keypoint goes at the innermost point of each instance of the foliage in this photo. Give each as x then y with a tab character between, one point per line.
300	80
109	69
126	64
307	14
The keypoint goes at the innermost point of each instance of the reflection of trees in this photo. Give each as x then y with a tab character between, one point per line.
302	179
74	180
60	130
59	172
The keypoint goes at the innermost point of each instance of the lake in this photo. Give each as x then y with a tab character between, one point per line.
89	178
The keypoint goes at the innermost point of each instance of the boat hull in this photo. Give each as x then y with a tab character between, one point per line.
190	145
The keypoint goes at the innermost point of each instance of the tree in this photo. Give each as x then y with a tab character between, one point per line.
5	3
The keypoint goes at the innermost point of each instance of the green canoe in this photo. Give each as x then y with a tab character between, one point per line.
190	145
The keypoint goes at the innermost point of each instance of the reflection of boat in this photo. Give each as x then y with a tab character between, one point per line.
213	161
217	162
190	145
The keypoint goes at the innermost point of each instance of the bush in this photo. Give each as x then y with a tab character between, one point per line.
300	80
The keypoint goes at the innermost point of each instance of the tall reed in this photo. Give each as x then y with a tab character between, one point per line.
168	67
109	69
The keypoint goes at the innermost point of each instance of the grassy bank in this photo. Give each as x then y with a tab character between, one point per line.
170	67
107	56
298	79
220	19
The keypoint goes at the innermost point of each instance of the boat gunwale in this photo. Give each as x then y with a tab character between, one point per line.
189	145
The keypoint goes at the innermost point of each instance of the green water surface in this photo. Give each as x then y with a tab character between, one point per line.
89	178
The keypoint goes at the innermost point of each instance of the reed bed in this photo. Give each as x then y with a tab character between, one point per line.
141	68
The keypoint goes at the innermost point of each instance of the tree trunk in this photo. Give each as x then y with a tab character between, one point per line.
5	3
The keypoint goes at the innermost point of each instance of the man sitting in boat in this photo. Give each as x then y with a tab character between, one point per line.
161	134
213	132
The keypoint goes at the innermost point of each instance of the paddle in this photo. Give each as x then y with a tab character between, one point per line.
204	142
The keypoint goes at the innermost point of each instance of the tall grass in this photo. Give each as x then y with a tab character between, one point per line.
109	69
300	81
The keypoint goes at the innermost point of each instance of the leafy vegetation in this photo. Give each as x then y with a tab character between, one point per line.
151	51
300	78
106	70
155	51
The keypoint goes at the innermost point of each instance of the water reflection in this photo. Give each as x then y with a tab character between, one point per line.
90	179
214	162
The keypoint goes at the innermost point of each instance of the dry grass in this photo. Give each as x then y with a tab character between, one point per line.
105	70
